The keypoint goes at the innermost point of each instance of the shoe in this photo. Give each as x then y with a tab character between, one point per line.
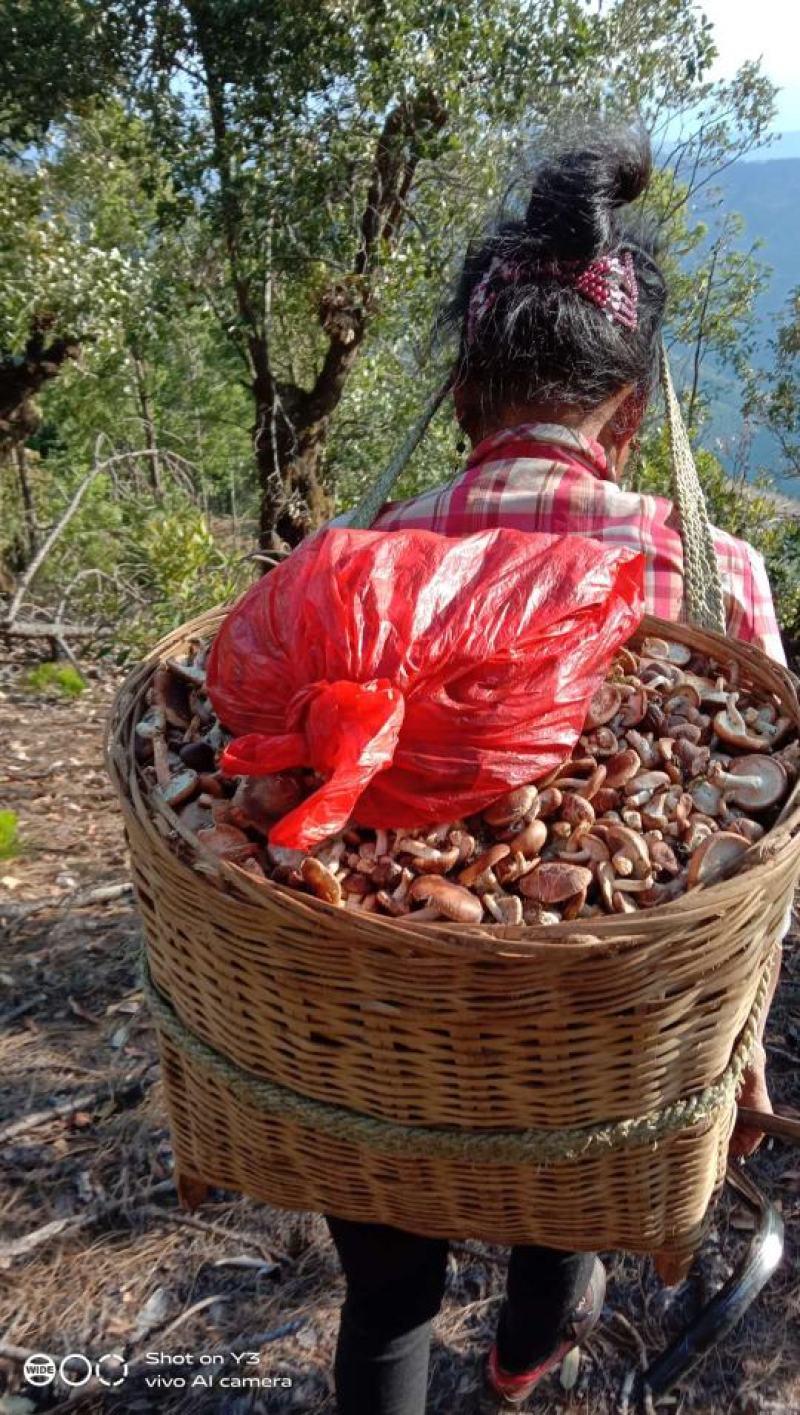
511	1391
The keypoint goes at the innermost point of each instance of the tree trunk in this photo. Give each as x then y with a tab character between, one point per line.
290	447
291	426
28	508
293	423
22	378
148	423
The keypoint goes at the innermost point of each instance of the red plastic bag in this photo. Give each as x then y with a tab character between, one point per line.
422	676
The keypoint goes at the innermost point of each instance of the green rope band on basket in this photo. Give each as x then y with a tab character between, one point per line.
542	1147
701	577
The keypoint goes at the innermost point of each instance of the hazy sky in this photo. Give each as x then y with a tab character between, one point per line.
769	29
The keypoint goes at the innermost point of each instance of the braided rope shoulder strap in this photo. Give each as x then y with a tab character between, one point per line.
702	583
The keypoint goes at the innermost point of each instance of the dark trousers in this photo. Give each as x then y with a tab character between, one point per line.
395	1284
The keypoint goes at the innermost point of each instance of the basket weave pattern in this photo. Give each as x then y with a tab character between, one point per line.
477	1029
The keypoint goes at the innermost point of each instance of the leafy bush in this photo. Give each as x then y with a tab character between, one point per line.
137	563
9	844
56	677
179	568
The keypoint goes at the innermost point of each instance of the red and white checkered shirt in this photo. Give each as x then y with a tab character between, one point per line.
539	477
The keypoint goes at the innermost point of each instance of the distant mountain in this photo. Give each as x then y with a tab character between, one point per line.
766	194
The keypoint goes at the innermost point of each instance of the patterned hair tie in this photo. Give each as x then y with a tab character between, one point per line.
608	283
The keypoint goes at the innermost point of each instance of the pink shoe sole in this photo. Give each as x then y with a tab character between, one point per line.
511	1391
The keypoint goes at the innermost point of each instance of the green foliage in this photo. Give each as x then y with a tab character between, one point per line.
59	678
9	842
188	188
773	397
176	562
54	56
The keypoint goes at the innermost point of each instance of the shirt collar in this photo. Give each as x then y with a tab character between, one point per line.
585	450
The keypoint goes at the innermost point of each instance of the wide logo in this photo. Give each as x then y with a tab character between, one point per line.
75	1369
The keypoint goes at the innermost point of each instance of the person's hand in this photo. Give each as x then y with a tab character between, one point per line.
755	1096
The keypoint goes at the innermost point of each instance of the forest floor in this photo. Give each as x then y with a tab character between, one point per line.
95	1255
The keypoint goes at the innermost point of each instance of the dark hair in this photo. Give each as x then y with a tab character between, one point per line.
540	340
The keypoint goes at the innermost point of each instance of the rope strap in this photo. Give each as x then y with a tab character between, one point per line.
540	1147
702	584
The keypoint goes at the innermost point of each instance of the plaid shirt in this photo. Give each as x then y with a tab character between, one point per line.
539	477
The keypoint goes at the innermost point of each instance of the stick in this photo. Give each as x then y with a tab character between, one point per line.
17	1354
191	1312
88	1101
35	629
75	899
21	1008
217	1230
783	1127
39	775
40	1236
47	545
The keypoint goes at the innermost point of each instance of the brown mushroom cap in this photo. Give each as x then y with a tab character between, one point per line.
321	881
605	704
707	796
646	781
484	862
228	842
578	811
531	839
265	798
634	709
663	857
679	698
622	767
763	784
549	801
707	690
582	848
601	742
715	855
625	661
606	799
511	807
666	649
552	883
731	727
622	840
450	899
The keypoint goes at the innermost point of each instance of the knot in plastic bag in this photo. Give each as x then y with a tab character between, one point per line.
420	676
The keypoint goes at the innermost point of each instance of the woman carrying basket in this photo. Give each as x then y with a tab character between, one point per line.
560	317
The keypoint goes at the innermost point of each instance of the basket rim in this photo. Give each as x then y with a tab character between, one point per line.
616	933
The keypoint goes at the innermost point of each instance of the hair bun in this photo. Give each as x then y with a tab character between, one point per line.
571	212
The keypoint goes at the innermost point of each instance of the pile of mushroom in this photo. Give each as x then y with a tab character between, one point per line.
679	770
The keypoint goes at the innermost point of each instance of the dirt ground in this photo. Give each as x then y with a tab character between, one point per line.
96	1257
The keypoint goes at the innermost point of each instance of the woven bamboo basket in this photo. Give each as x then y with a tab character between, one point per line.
571	1085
